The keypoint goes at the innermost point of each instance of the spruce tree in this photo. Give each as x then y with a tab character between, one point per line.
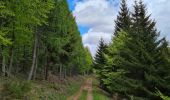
140	65
63	42
144	56
123	21
99	57
100	61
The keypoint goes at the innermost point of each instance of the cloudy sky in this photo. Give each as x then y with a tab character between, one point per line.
95	18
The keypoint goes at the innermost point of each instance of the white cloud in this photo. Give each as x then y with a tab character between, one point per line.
160	11
94	12
99	15
91	39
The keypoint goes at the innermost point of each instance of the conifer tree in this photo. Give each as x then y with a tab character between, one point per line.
99	57
62	43
87	68
41	9
43	35
139	64
99	60
123	21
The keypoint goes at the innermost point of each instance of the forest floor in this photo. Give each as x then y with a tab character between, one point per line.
89	91
40	90
75	88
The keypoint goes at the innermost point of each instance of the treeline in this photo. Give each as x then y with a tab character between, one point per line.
136	64
38	38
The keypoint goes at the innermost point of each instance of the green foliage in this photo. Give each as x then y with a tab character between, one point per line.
43	34
62	39
52	24
4	41
99	59
98	94
18	89
162	96
87	67
123	21
83	95
136	62
56	91
100	62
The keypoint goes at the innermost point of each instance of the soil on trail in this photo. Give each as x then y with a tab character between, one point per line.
87	86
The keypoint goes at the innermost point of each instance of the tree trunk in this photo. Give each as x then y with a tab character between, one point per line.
3	66
47	65
36	63
35	70
34	58
11	54
46	71
70	72
24	56
3	63
11	62
60	72
65	72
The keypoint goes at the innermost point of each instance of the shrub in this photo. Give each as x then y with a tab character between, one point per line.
18	89
163	96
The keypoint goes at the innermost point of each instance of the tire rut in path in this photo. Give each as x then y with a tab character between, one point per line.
87	86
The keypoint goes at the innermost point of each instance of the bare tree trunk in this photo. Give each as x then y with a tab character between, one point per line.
11	55
34	58
24	56
35	70
60	72
65	72
36	63
11	63
70	72
3	66
47	65
3	63
46	71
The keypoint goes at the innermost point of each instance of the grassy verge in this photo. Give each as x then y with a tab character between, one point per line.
97	93
83	95
39	90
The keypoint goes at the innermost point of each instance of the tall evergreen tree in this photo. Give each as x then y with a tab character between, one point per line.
87	68
100	61
99	57
62	42
43	35
123	21
141	64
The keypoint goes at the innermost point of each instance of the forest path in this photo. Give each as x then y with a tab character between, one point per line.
87	86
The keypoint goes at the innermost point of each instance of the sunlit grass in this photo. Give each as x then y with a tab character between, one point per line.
83	95
97	93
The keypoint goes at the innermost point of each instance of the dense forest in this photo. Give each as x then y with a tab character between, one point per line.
42	56
39	39
136	64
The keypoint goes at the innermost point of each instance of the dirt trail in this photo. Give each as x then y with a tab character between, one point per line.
87	85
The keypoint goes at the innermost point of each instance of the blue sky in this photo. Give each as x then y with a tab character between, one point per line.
95	18
71	4
82	29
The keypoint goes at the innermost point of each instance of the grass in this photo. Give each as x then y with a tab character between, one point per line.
43	90
55	91
97	93
83	95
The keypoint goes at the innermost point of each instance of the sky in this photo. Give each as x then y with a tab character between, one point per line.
95	18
